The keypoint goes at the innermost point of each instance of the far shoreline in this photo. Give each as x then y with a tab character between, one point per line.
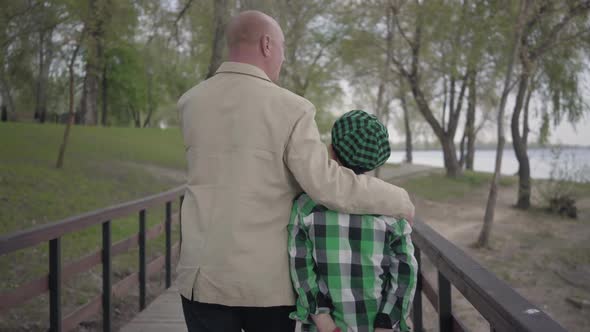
397	148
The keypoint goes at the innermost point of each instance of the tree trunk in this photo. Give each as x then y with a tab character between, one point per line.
94	59
378	111
45	57
38	83
135	116
220	14
444	110
445	133
62	148
382	107
525	121
462	150
470	122
484	236
150	101
105	99
4	113
7	99
407	128
520	147
450	156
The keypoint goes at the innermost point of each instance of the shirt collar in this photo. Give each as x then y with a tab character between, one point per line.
242	68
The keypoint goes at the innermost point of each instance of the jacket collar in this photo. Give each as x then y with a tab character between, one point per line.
242	68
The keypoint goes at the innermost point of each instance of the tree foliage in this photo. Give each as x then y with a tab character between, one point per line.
441	58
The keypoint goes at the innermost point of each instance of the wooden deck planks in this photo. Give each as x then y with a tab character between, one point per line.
163	314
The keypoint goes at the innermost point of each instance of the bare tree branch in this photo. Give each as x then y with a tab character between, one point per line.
553	36
395	10
179	17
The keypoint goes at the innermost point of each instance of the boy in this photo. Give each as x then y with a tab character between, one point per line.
351	272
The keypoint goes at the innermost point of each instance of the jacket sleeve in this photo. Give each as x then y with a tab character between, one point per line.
336	187
400	287
303	275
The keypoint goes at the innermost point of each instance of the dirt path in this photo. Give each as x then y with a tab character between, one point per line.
531	251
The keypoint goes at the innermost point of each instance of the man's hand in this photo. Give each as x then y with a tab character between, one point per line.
324	322
411	220
410	217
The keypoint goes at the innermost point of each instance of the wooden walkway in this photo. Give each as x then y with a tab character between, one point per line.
163	314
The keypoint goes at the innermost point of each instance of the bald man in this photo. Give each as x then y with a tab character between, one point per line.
251	148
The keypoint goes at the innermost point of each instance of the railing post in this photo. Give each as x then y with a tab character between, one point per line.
445	320
107	310
168	244
55	285
180	221
142	267
417	305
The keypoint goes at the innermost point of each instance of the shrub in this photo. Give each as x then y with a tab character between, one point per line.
558	193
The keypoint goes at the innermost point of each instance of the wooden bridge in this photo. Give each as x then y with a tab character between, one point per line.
497	302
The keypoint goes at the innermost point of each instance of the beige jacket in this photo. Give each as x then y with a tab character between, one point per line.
251	147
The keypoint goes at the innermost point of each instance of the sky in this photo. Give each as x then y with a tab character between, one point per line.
565	133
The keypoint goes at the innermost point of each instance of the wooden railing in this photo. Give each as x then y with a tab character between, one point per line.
52	282
496	301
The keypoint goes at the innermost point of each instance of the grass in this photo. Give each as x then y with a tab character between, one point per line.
103	166
439	187
95	174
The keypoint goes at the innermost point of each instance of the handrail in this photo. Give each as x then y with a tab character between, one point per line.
52	233
35	235
497	302
35	287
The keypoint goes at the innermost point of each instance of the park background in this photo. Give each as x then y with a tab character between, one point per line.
434	71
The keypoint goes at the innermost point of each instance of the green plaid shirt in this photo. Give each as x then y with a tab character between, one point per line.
359	268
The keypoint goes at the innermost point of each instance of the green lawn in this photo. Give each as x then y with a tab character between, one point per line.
96	172
438	187
103	166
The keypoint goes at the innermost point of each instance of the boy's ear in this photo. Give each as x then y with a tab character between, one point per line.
332	153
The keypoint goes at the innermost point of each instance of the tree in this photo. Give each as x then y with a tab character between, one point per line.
127	84
16	52
407	128
70	121
469	132
446	48
481	94
412	71
94	23
367	51
484	236
47	19
220	12
550	27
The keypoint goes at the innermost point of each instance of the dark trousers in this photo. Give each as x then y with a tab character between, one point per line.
206	317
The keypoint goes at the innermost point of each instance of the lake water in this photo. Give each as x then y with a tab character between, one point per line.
570	159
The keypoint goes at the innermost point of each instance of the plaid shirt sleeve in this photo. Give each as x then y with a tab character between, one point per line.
401	286
303	276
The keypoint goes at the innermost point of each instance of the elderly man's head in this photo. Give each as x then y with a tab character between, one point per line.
257	39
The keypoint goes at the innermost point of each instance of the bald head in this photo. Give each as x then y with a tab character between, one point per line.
257	39
248	27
